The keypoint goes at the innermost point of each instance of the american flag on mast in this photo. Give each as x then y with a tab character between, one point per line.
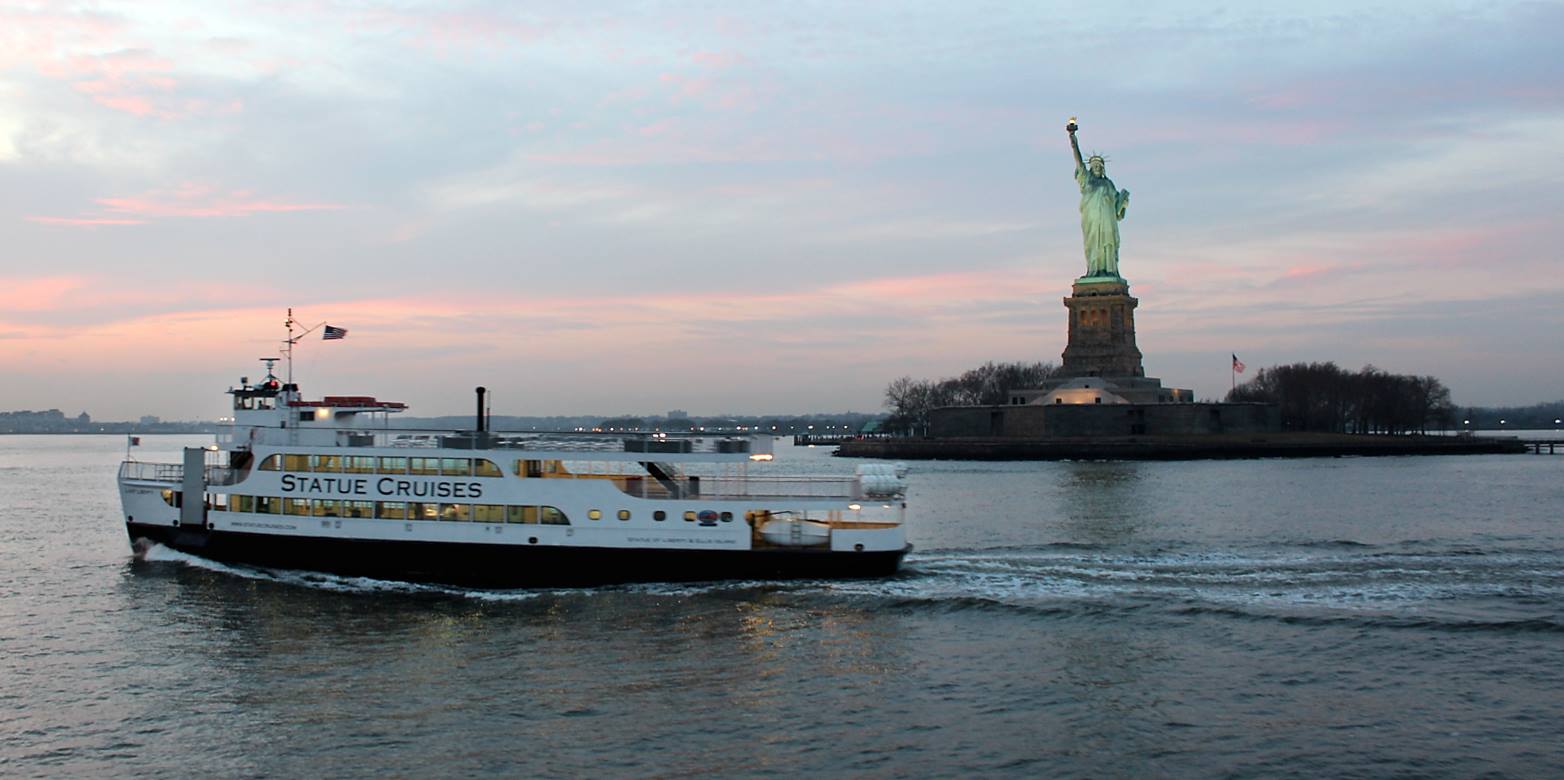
332	333
1238	365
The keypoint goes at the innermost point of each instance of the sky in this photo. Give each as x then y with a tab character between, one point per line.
761	207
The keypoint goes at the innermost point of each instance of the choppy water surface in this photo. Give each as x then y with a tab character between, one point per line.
1331	617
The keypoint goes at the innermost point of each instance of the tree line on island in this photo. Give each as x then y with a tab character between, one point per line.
1309	396
1326	397
910	400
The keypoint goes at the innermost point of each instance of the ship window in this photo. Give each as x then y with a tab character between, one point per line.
306	416
325	507
244	503
391	510
423	511
485	468
358	464
296	462
624	514
327	464
461	512
393	466
595	514
455	467
358	509
168	497
272	463
549	515
727	517
689	517
268	504
424	466
488	513
529	468
296	506
659	515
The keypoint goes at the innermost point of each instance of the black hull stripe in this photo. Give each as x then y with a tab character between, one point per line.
513	565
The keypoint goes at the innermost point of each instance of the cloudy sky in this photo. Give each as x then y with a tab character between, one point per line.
762	207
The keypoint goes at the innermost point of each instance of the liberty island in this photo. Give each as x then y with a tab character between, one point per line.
1099	403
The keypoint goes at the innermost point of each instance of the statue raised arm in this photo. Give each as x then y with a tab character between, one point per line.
1102	206
1075	147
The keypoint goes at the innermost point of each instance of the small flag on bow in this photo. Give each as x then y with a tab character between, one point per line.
1238	365
333	332
133	441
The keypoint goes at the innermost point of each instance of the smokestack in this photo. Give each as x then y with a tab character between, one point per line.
481	422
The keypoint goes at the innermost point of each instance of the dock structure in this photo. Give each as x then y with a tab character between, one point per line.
833	439
1544	446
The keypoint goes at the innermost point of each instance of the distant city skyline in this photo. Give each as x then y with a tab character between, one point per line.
762	208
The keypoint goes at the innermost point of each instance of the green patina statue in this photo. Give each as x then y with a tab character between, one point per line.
1102	206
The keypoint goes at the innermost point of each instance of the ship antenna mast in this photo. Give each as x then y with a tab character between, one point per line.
287	349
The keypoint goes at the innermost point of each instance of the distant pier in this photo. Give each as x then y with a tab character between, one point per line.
832	439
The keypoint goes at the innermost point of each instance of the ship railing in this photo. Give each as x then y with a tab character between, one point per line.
141	471
551	441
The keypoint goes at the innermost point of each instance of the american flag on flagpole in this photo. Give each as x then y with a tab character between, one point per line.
1238	365
333	332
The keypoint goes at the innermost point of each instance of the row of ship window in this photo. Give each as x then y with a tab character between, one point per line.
412	510
369	464
426	467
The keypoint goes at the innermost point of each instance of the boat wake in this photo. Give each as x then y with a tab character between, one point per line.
1349	581
1459	589
157	553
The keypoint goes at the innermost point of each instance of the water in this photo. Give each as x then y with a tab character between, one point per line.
1333	617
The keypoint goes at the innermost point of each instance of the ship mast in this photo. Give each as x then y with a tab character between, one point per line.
287	348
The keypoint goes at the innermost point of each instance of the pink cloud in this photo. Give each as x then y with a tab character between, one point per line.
188	201
33	36
85	221
134	81
40	293
130	104
1305	271
452	30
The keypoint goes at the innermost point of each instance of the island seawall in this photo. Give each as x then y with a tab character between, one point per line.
1212	446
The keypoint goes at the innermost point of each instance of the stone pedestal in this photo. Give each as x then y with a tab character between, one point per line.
1102	329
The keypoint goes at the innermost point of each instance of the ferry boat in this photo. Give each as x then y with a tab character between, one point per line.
327	485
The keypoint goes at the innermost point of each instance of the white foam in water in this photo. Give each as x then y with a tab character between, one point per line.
1032	578
332	582
1336	581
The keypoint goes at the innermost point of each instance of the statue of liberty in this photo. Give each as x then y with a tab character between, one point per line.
1102	206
